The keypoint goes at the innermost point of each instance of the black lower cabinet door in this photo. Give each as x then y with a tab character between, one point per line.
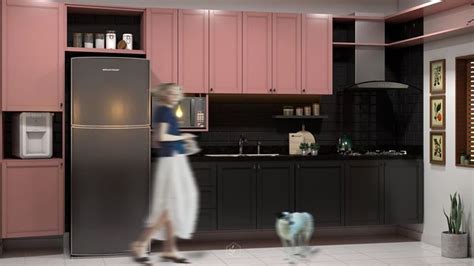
403	192
320	191
205	173
207	220
364	192
275	191
236	185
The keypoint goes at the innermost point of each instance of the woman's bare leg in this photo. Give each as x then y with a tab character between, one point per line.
170	243
148	232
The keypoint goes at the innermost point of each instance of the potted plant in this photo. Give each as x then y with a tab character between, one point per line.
304	148
454	241
314	148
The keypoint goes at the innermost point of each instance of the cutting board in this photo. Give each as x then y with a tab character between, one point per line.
295	139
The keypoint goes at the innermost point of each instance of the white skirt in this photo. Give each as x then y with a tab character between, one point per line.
174	190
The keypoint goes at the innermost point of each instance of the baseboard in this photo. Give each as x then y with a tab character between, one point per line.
409	233
49	242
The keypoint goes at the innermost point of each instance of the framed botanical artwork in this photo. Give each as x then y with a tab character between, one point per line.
437	148
437	112
438	76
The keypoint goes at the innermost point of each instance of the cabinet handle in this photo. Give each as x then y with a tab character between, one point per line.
254	167
61	106
258	166
298	166
212	89
304	90
270	90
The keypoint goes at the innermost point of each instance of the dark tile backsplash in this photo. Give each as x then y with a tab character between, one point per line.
371	119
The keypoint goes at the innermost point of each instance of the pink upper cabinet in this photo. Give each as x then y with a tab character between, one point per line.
193	51
257	52
317	54
225	51
32	198
287	53
33	56
162	46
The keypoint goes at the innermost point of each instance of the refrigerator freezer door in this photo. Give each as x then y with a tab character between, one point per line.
110	182
108	91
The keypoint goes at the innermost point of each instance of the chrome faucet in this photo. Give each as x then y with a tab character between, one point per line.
258	147
242	140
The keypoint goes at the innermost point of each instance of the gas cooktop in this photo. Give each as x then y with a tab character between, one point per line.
376	153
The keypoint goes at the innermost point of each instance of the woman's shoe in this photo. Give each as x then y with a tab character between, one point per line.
175	259
139	253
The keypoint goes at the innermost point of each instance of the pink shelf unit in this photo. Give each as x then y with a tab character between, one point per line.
433	36
425	9
98	19
352	44
106	51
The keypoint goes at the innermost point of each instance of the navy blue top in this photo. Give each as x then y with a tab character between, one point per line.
164	114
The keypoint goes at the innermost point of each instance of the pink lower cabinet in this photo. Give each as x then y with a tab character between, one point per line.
32	198
162	45
225	51
193	50
257	52
33	55
317	54
287	53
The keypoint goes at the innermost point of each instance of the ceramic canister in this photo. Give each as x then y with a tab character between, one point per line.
110	41
128	38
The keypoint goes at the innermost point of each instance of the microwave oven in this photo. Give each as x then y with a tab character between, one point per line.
191	112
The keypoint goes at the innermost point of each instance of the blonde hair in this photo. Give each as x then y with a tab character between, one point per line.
161	92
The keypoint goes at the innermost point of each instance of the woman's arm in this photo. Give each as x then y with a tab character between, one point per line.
164	136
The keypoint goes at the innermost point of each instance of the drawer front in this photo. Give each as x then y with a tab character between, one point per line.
207	197
207	220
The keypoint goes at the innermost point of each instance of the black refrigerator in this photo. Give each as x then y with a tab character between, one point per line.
110	153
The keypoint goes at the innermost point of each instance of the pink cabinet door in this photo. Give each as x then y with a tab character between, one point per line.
225	51
193	54
257	52
33	58
162	46
32	198
287	53
317	54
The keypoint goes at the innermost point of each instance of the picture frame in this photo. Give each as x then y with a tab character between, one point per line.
438	76
437	148
438	112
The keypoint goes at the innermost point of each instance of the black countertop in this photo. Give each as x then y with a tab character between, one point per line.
325	153
283	157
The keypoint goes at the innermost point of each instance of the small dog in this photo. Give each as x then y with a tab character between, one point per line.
295	230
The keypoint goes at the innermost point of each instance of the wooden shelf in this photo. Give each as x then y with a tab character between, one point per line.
354	18
300	116
433	36
465	165
103	10
412	13
353	44
424	10
52	159
106	51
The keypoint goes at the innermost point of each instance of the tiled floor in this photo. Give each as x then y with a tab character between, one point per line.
399	253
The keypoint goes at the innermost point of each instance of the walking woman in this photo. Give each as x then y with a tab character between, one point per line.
174	202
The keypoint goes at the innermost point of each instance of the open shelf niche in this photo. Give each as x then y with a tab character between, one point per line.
93	19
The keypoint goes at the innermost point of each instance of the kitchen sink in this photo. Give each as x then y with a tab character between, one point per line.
243	155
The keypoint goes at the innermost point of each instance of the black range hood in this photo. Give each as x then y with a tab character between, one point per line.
370	60
379	85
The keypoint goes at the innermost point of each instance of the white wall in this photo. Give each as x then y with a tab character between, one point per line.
440	181
339	7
